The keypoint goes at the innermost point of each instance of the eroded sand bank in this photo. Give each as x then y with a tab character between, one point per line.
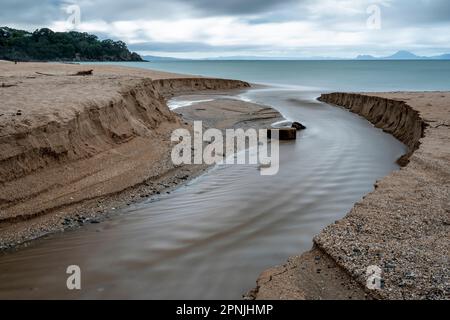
76	147
402	227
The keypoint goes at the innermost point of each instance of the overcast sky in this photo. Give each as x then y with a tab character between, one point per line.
281	28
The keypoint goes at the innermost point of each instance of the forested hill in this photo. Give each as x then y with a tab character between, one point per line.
46	45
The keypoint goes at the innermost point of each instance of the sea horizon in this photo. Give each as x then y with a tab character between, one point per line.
327	75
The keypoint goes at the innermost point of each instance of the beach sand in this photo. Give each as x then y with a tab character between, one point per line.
76	148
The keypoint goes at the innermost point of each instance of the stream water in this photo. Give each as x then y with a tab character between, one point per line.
212	238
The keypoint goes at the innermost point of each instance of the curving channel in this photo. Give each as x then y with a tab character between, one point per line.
212	238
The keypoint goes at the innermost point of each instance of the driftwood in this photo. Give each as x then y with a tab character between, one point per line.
8	85
79	73
46	74
83	73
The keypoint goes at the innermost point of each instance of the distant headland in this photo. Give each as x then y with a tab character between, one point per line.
46	45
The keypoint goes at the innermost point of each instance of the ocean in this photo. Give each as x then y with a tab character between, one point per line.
420	75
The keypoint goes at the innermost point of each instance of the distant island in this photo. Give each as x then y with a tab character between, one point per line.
400	55
404	55
46	45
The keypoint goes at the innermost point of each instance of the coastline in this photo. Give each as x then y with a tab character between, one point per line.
401	227
76	149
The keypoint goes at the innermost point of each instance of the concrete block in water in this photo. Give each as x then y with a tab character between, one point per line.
283	133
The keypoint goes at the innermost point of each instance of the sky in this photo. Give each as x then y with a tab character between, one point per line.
264	28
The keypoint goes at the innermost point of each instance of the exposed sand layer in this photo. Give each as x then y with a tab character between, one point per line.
403	226
69	143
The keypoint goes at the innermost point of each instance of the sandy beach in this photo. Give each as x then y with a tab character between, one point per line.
76	148
401	227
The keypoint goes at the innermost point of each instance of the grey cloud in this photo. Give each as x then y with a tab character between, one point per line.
401	14
239	7
29	12
107	10
150	9
404	12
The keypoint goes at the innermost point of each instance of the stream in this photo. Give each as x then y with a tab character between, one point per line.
212	238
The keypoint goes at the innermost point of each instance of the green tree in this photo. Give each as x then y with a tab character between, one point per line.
44	44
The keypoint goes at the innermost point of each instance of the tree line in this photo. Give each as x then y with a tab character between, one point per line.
46	45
